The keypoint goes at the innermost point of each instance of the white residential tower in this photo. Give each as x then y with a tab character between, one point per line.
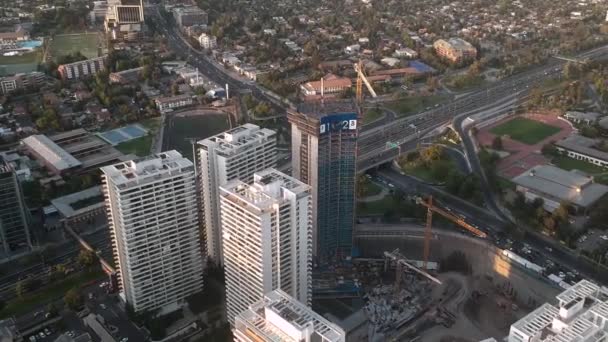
267	236
234	154
152	213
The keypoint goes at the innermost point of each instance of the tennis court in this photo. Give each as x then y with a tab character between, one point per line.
123	134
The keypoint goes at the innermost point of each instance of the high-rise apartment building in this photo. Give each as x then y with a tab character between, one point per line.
279	317
266	228
152	213
14	231
324	156
234	154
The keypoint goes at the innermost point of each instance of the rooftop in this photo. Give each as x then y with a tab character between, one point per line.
146	169
238	139
578	316
321	108
562	185
279	317
71	205
59	158
582	145
269	187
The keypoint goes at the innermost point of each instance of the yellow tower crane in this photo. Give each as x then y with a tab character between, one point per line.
431	208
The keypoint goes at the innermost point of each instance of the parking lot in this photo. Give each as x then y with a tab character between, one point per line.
592	240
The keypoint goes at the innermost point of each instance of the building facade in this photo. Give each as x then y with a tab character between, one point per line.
582	148
167	104
20	81
14	218
279	317
324	156
581	314
189	16
234	154
82	69
152	214
267	241
207	41
455	50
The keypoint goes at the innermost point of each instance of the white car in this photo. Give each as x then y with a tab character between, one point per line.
103	306
604	237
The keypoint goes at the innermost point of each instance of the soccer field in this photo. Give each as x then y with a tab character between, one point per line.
524	130
86	43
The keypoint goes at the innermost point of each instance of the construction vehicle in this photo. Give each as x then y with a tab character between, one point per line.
361	78
431	208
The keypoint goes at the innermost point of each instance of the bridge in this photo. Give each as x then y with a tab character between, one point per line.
379	144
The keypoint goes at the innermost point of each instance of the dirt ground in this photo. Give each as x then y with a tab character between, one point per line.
476	310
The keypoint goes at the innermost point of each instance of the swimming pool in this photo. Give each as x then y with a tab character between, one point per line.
30	44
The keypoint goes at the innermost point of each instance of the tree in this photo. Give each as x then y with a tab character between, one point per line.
86	258
52	310
497	143
73	299
562	213
431	153
549	150
175	89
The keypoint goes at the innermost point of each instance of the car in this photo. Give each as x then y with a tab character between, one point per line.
33	338
124	339
549	249
103	306
41	334
604	237
71	333
47	331
90	296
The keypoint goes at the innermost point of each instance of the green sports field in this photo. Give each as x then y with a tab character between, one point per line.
85	43
524	130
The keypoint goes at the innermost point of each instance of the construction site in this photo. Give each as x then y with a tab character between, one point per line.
421	285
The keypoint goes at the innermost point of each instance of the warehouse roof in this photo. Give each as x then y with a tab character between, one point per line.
562	185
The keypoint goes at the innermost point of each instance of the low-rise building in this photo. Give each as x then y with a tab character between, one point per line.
406	53
455	50
20	81
555	186
11	37
189	16
169	103
330	84
587	118
80	206
207	41
81	69
126	76
582	148
581	314
279	317
74	151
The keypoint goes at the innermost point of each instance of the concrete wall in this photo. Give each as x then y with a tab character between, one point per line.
485	259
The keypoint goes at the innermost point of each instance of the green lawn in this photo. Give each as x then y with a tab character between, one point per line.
139	146
411	105
27	58
419	171
371	115
85	43
57	290
527	131
372	189
27	62
377	207
568	163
